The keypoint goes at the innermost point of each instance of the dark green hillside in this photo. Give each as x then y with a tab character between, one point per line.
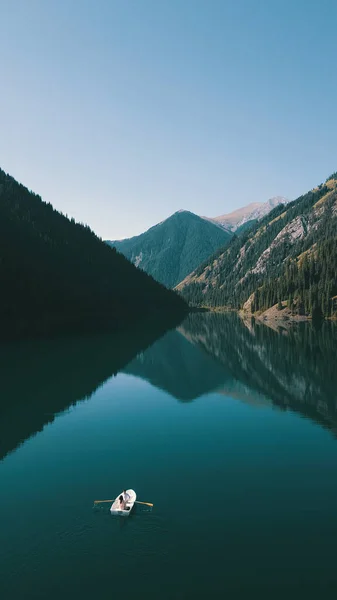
56	274
172	249
290	255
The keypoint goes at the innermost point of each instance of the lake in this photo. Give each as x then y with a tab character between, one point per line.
228	427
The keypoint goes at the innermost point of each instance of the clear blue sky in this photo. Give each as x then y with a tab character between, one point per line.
121	112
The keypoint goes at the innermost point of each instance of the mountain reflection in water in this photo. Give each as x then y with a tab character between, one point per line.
292	366
41	378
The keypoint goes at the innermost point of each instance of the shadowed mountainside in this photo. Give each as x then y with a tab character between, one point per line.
57	275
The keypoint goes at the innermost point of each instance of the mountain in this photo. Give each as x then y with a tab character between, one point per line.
173	248
247	214
57	274
290	255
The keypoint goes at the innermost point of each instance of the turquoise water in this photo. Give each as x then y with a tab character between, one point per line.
228	428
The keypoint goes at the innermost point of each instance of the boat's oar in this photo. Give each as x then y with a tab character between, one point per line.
147	503
137	502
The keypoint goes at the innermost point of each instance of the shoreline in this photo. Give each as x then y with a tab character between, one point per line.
272	314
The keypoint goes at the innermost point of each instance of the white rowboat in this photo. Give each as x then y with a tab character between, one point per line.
125	511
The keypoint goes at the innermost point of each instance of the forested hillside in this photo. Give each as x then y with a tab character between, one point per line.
55	273
173	248
291	255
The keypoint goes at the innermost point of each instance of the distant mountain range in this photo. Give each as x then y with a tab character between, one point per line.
288	258
252	212
175	247
172	249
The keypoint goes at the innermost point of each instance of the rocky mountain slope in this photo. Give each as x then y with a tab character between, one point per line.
252	212
173	248
291	254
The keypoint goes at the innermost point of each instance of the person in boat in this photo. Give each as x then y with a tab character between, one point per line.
121	502
126	497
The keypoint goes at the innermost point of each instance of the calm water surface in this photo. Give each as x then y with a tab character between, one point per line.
229	428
